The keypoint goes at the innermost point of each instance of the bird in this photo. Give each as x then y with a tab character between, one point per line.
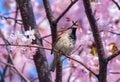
64	43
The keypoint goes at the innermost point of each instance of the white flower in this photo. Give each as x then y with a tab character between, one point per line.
30	34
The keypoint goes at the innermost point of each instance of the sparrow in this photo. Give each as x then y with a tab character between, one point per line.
64	43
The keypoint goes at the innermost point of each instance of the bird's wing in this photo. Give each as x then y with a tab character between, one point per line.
54	43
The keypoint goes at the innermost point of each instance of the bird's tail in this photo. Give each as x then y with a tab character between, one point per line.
54	62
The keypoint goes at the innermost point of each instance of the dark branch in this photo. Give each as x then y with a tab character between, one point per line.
3	17
53	24
10	57
115	72
94	28
113	56
51	19
59	71
66	10
19	73
48	10
35	46
16	14
114	33
118	80
69	77
6	18
83	65
118	6
98	42
39	58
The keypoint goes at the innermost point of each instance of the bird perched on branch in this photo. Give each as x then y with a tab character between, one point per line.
64	44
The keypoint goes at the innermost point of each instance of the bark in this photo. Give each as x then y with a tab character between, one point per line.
40	56
102	77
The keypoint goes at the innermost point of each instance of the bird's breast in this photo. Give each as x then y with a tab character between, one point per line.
65	45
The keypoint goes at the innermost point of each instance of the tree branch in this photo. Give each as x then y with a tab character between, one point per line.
35	46
40	59
101	54
16	14
114	33
11	60
6	18
48	10
66	10
82	65
53	24
116	4
113	56
51	19
19	73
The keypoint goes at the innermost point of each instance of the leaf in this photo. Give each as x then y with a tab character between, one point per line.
90	74
114	47
93	49
92	0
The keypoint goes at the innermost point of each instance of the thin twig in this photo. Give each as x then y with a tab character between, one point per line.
32	80
10	57
113	56
8	60
21	75
3	17
118	80
50	49
6	18
82	65
76	49
35	46
47	41
23	70
69	77
57	32
7	64
4	72
115	72
66	10
16	14
48	11
114	33
118	6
